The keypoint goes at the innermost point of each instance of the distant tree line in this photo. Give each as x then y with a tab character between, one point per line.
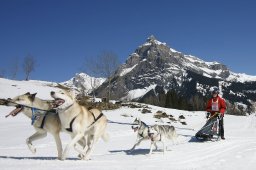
195	102
172	99
28	66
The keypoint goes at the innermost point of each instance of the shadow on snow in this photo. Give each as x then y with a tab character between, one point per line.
134	152
34	158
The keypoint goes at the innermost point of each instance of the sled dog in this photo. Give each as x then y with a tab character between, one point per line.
43	121
159	133
82	124
142	132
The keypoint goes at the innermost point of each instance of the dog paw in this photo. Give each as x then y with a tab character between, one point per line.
81	156
86	159
32	149
148	155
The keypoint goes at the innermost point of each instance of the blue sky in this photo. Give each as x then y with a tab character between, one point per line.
62	34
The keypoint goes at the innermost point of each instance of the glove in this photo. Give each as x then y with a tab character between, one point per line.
220	115
208	115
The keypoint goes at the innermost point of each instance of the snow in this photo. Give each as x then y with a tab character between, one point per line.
136	93
241	77
155	41
84	82
238	151
11	88
127	70
174	51
201	89
194	59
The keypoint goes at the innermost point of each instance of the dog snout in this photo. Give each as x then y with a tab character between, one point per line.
52	93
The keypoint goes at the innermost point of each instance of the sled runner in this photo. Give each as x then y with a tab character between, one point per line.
210	130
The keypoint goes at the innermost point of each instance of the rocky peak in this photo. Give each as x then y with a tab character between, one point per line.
133	59
154	64
151	39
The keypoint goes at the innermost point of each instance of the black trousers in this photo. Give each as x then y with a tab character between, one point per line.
221	127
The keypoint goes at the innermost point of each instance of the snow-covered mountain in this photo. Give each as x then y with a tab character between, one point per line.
84	82
155	68
177	63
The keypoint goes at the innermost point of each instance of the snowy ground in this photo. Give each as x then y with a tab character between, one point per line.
238	151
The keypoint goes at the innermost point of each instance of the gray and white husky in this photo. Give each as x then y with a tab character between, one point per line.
159	133
45	121
142	130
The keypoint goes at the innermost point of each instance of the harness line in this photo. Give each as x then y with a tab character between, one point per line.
36	112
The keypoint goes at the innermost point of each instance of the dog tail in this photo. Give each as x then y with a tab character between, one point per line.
175	134
175	137
105	137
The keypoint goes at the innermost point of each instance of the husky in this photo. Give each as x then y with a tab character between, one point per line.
82	124
42	119
159	133
142	133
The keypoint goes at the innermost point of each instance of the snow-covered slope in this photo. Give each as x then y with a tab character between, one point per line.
12	88
215	70
238	151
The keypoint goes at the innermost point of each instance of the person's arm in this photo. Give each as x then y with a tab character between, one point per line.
209	106
222	107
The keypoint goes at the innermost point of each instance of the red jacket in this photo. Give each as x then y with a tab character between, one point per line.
216	104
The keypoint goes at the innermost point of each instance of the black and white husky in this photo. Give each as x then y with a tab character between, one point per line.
159	133
142	130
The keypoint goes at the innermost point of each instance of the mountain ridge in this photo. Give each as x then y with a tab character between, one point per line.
155	65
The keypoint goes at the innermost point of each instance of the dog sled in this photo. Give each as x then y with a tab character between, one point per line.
210	131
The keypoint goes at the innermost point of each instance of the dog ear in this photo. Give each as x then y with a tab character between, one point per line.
28	94
63	87
32	96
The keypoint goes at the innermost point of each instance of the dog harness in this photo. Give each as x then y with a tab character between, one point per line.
36	114
159	136
43	122
142	134
70	129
